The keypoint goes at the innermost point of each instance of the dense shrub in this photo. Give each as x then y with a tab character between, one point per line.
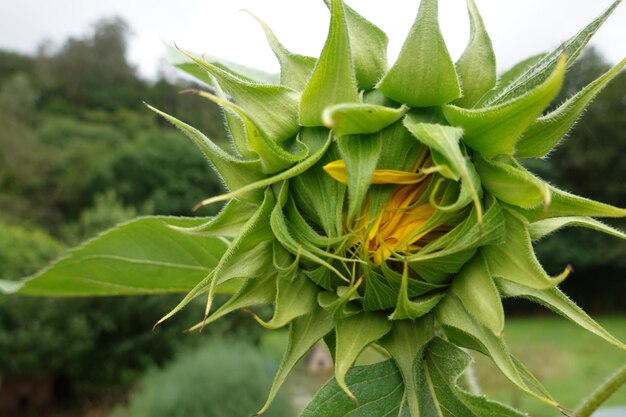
224	378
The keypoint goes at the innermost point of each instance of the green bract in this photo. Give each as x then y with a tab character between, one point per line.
371	205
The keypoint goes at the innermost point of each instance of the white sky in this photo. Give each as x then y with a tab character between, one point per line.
518	28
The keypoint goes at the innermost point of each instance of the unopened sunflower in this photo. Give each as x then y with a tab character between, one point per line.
374	205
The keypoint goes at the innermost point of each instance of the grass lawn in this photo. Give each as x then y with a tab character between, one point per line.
569	361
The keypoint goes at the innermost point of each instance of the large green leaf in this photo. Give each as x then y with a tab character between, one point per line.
332	81
477	66
496	129
379	388
424	74
546	132
144	256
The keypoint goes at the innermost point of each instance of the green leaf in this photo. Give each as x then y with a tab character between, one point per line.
463	330
332	81
445	141
477	66
379	388
316	142
474	286
540	71
508	181
233	171
304	332
409	80
144	256
295	69
279	124
442	367
360	153
544	227
353	335
496	129
293	299
546	132
515	259
558	302
405	343
356	118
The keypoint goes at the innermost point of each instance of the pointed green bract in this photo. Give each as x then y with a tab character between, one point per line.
360	153
475	288
410	80
304	332
495	130
445	140
542	228
405	343
555	300
515	260
348	118
463	330
537	74
332	81
477	66
547	131
295	69
234	172
511	183
368	44
281	123
353	335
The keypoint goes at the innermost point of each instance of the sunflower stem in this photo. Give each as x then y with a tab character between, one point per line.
602	393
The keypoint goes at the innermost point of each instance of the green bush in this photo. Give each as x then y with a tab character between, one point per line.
224	378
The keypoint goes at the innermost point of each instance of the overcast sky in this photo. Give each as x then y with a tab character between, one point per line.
518	28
